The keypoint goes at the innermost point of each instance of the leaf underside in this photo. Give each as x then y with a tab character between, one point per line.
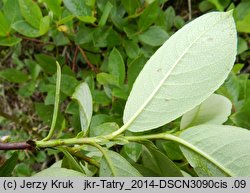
185	71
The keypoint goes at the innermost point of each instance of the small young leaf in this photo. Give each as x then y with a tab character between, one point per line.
174	81
214	110
120	166
84	98
116	65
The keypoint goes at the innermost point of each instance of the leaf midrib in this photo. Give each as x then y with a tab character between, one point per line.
131	120
200	152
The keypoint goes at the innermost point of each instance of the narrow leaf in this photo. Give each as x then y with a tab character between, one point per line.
214	110
185	71
105	14
57	99
83	96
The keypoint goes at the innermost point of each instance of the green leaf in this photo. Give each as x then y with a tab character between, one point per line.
241	117
45	113
54	6
158	162
87	38
242	45
5	25
154	36
243	25
116	166
69	84
80	9
31	12
179	22
170	148
116	65
83	96
69	162
174	81
230	88
44	25
12	11
105	79
132	150
169	17
103	129
13	75
9	41
148	16
87	19
132	49
9	165
105	14
24	28
28	89
217	150
47	63
56	104
131	5
134	69
58	172
214	110
220	5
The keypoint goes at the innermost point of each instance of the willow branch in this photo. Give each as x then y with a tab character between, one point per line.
27	145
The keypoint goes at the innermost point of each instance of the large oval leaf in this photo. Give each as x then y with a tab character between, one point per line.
185	71
214	110
225	150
